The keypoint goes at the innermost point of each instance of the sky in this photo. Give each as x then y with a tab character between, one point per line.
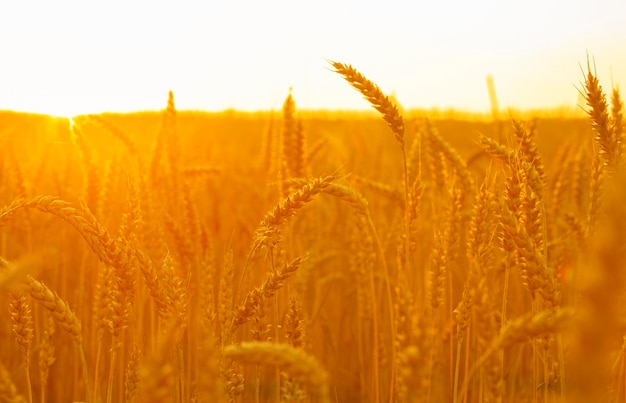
73	57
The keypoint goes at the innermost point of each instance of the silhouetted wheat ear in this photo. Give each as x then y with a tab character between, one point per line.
372	93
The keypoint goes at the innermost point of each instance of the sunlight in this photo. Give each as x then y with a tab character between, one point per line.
66	112
246	55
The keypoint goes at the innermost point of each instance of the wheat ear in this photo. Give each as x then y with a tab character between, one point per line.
286	357
372	93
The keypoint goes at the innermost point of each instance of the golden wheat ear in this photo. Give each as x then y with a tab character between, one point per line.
292	360
373	94
598	111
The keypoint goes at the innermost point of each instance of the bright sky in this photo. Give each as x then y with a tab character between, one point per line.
71	57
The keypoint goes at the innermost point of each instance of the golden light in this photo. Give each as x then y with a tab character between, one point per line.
450	246
72	58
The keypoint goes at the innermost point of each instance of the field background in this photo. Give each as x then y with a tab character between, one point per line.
157	245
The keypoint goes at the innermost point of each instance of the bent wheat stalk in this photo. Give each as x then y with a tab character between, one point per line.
286	357
379	101
519	330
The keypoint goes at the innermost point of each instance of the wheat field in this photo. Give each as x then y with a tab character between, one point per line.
295	257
